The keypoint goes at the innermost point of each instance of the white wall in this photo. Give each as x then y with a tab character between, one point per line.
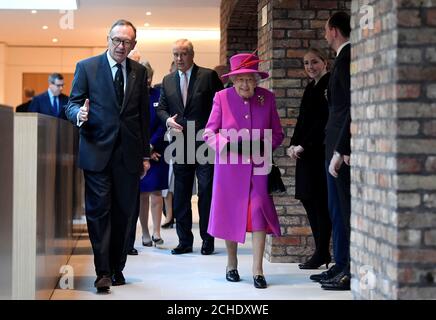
14	61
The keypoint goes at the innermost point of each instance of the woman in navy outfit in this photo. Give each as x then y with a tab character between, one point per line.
156	178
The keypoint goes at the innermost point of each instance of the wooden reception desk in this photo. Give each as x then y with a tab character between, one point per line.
44	199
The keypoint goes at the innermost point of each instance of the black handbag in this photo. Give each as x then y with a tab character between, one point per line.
275	183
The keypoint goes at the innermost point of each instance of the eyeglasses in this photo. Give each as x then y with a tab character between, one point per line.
126	43
58	85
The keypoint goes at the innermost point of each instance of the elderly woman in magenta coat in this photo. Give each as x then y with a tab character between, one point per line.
243	128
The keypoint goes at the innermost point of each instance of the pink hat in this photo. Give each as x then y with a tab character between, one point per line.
245	63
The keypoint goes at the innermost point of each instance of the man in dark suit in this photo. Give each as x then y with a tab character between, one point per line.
337	141
53	101
109	102
186	100
24	107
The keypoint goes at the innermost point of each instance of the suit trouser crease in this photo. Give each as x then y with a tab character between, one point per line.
111	199
183	181
338	217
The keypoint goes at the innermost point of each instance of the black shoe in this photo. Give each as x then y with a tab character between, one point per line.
157	240
103	283
232	275
330	273
132	252
314	263
118	279
259	282
168	225
181	249
147	244
207	247
340	282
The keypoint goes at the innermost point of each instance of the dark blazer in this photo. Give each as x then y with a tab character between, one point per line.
310	180
203	85
42	104
24	107
339	100
106	122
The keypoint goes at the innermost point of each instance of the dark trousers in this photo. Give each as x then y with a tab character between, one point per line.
319	219
132	232
343	184
111	199
340	215
183	180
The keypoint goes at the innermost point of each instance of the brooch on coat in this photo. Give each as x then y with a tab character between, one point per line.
261	100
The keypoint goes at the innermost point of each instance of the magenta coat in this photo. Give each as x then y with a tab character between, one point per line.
231	185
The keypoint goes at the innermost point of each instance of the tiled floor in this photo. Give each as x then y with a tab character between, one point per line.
155	274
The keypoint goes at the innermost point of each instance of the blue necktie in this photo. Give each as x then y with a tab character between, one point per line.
56	105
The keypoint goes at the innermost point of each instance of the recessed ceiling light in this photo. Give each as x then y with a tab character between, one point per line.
148	13
33	11
45	27
146	24
55	40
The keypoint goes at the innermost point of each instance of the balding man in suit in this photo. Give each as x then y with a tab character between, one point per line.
109	102
186	99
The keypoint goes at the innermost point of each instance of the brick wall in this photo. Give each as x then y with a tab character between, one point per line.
393	240
238	28
293	26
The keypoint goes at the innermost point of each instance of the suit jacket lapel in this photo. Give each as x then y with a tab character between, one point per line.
191	85
131	78
108	79
49	104
178	90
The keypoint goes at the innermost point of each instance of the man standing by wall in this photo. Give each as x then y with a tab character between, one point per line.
337	140
109	102
186	98
53	101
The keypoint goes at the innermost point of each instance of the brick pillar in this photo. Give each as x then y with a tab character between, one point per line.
393	83
238	28
292	26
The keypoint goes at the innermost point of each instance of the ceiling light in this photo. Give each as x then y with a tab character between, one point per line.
45	27
174	34
146	24
55	40
39	4
148	13
33	11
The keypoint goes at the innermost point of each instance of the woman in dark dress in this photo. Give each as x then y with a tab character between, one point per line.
156	179
307	147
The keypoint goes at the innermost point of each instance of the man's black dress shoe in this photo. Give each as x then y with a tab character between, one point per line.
259	282
314	263
132	252
330	273
118	279
340	282
207	247
232	275
168	225
103	283
181	250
